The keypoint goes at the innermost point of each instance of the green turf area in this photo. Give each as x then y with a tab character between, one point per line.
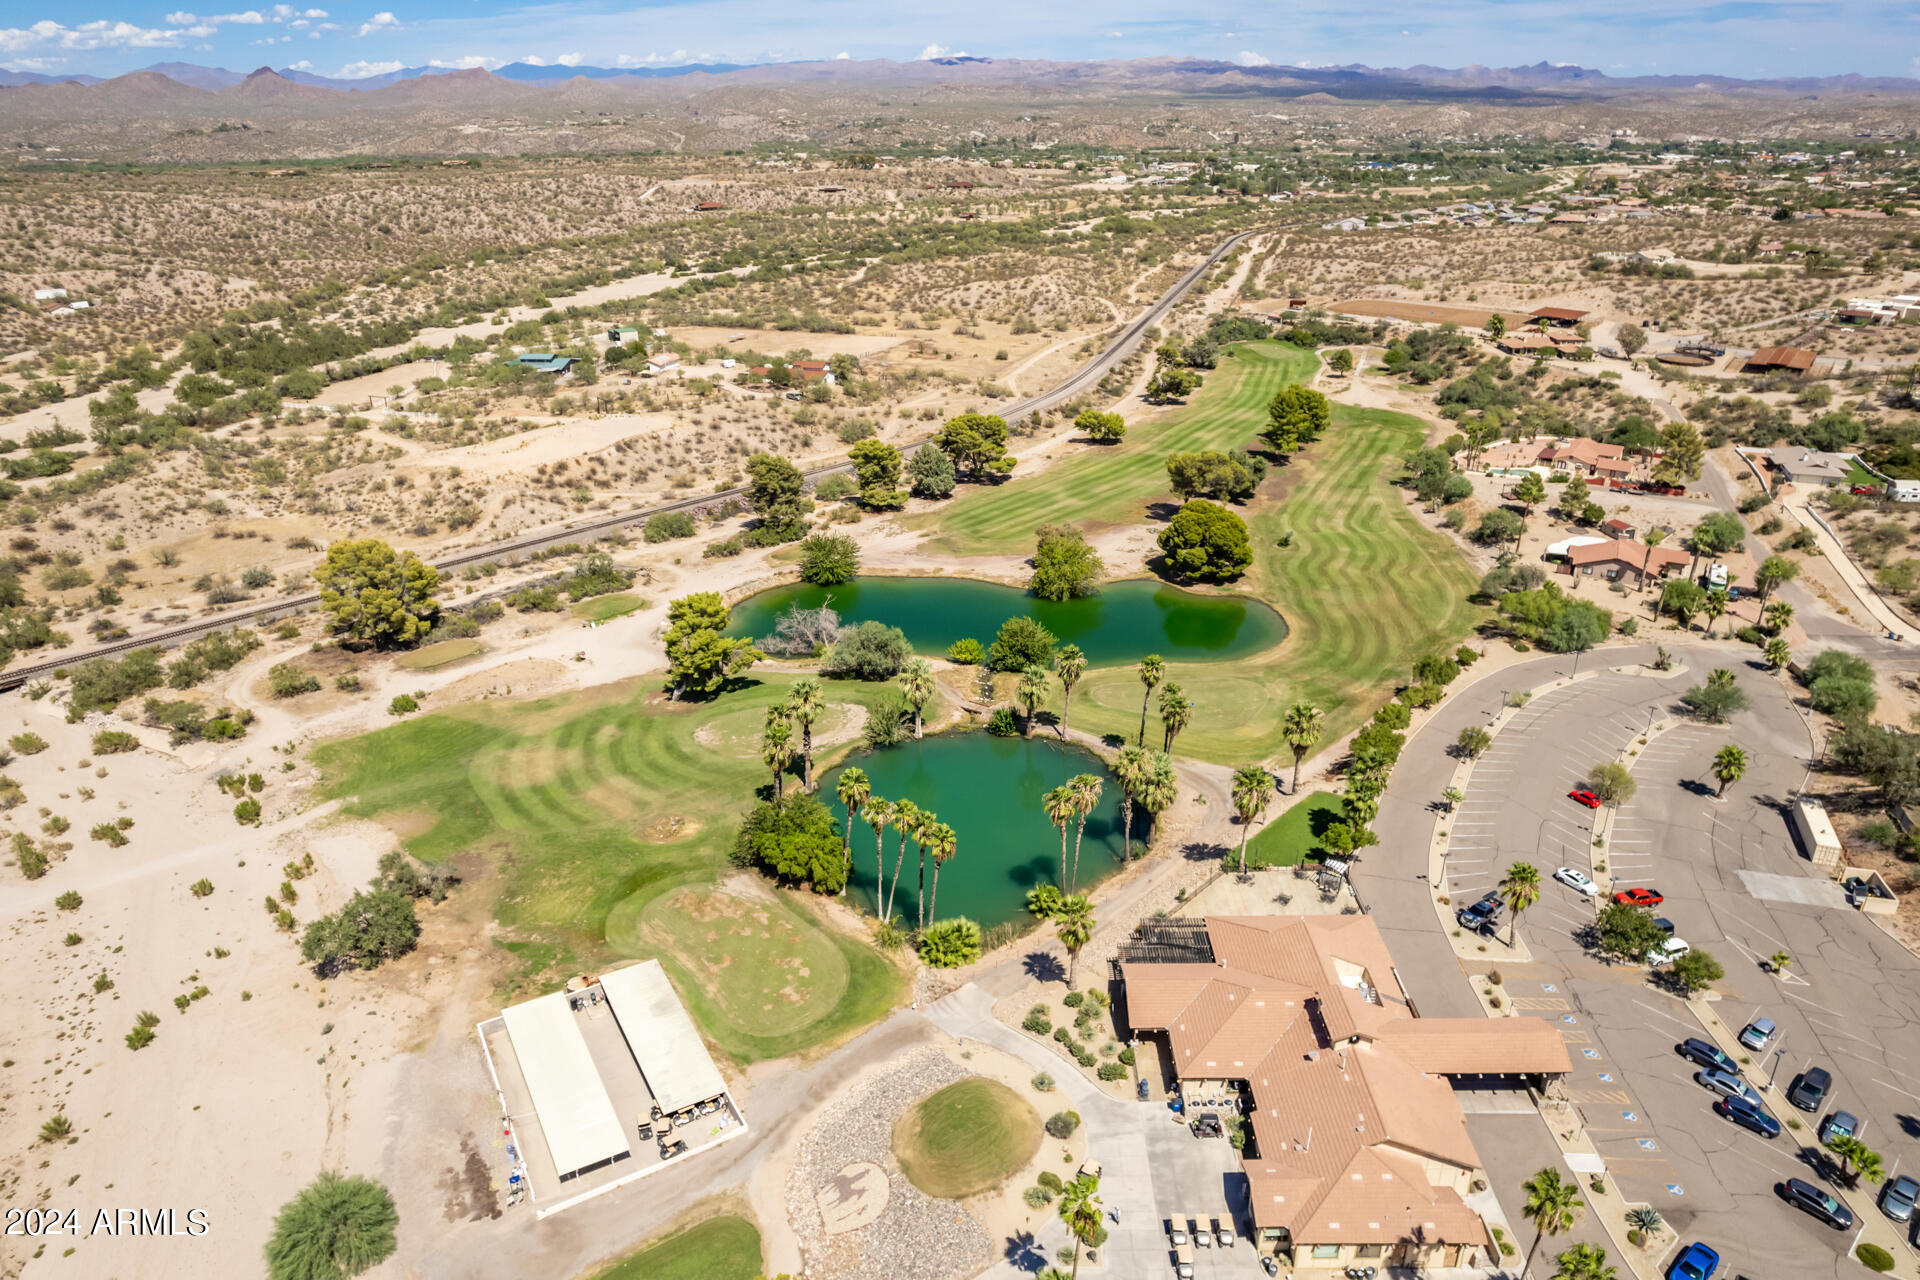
1294	836
601	608
725	1248
1113	485
967	1138
440	655
591	808
1364	588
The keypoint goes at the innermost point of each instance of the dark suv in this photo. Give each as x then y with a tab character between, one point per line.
1804	1195
1706	1054
1481	916
1810	1090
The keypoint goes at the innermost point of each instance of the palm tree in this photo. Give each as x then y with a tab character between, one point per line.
905	816
1252	790
1584	1262
1129	769
1086	789
1080	1210
1777	614
879	815
1153	669
1059	804
925	821
1779	654
1553	1206
776	747
1714	607
1496	326
1301	728
1176	709
1069	666
918	684
1073	921
1031	692
852	790
1729	766
942	844
1520	890
803	708
1454	797
1161	786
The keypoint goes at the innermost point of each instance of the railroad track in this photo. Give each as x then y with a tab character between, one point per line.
1086	376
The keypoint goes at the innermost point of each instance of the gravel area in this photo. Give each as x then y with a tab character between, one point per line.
917	1235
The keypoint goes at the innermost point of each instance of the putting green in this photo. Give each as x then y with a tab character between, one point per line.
967	1138
439	655
587	808
724	1248
1364	587
601	608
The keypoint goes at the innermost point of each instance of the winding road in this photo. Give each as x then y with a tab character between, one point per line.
1088	375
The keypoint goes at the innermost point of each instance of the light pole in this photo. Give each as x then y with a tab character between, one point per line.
1774	1073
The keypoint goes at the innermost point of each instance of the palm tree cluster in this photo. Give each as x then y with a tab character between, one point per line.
932	838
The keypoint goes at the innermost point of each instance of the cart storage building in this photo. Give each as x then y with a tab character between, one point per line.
604	1083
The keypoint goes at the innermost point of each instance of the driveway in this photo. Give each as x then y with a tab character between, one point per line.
1735	885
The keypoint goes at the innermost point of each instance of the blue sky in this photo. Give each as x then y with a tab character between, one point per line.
335	37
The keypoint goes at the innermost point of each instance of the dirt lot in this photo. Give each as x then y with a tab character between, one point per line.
1423	312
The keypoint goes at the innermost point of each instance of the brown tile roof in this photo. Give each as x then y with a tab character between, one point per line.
1555	313
1353	1118
1783	358
1581	449
1475	1046
1628	552
1525	342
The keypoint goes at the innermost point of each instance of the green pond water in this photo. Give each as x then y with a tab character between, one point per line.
1123	623
988	790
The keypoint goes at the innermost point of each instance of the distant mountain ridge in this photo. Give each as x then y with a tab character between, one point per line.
1367	81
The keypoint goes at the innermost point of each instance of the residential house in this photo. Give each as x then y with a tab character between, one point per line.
662	362
1812	466
1359	1149
1524	342
1623	559
1581	456
545	362
1617	528
1559	317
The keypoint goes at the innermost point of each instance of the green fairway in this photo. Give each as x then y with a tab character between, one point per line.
1294	836
1364	588
601	608
967	1138
725	1248
1114	484
590	808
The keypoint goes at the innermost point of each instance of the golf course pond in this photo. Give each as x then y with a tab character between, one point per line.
988	790
1123	623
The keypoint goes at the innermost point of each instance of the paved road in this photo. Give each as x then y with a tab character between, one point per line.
1085	377
1735	884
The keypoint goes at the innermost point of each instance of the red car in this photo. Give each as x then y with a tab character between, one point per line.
1865	490
1586	798
1640	897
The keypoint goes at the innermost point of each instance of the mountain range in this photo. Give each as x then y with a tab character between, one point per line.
1364	81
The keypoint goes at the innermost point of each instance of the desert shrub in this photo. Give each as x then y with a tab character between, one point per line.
247	812
1873	1257
722	549
1074	999
27	744
1038	1022
668	525
108	834
1061	1124
869	651
1001	724
1112	1071
289	681
68	901
1051	1181
966	653
1037	1197
402	704
337	1227
110	742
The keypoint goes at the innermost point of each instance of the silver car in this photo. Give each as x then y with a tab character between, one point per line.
1898	1199
1758	1034
1727	1084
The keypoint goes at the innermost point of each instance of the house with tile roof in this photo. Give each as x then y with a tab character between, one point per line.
1359	1150
1582	456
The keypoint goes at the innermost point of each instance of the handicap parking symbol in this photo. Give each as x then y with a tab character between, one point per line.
1549	988
1648	1144
1629	1117
1675	1189
1569	1019
1606	1077
1592	1054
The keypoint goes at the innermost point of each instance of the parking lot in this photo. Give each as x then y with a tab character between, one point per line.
1734	884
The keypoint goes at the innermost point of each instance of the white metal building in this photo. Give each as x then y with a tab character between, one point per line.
576	1115
679	1071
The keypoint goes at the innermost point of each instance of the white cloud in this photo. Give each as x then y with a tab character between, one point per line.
1248	58
382	21
843	56
651	60
468	63
181	19
314	13
302	65
250	18
31	64
361	70
933	51
273	40
88	35
568	60
1116	35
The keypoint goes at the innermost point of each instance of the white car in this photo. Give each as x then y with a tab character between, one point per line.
1667	953
1577	881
